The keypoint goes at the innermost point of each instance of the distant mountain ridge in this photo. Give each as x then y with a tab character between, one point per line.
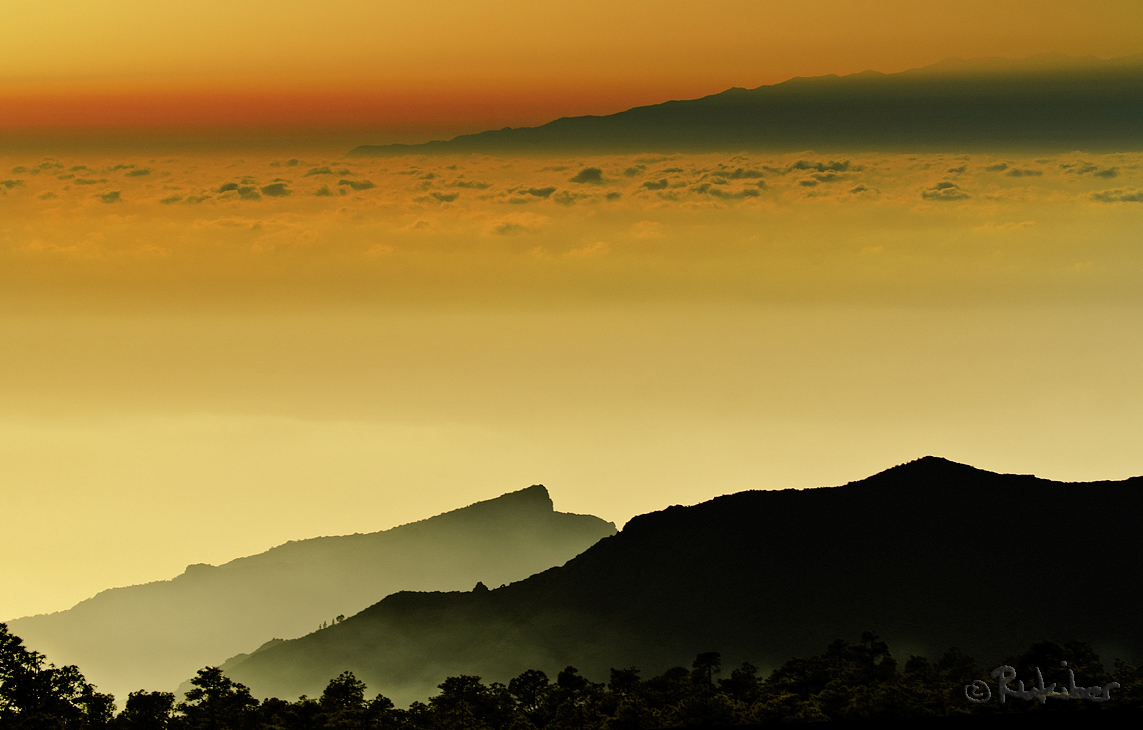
930	554
1042	103
156	635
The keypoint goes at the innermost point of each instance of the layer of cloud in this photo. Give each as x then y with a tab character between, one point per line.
830	166
1118	196
469	193
588	176
356	184
276	190
945	190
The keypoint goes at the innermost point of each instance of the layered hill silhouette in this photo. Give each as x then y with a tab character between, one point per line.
931	554
1043	103
156	635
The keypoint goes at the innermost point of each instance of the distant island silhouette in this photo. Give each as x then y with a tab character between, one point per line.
932	554
1044	103
157	634
956	567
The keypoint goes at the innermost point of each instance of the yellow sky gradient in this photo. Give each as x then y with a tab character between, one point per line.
210	349
199	365
408	71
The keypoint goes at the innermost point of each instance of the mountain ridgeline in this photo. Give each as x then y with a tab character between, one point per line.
156	635
931	554
1038	104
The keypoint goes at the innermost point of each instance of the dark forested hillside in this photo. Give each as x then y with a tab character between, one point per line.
1039	104
931	554
859	684
156	635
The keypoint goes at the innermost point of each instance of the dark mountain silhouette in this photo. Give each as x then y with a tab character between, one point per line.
156	635
930	554
1041	103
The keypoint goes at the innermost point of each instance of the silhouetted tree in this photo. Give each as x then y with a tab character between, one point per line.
845	683
529	690
570	679
37	695
343	702
465	702
660	692
215	702
276	713
1130	678
344	693
626	709
419	716
705	666
382	713
850	681
147	711
742	684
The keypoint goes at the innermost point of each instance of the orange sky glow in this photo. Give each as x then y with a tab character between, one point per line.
218	332
410	71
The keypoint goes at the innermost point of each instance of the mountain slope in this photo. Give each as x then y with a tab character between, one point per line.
156	635
1055	103
930	554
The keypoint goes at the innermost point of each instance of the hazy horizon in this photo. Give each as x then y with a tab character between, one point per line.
207	374
220	333
63	118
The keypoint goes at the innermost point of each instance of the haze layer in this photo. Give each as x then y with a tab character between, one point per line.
207	355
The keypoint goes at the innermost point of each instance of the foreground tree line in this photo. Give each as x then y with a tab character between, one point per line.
859	681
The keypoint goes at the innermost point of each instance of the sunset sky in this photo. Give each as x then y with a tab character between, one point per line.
410	71
219	333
